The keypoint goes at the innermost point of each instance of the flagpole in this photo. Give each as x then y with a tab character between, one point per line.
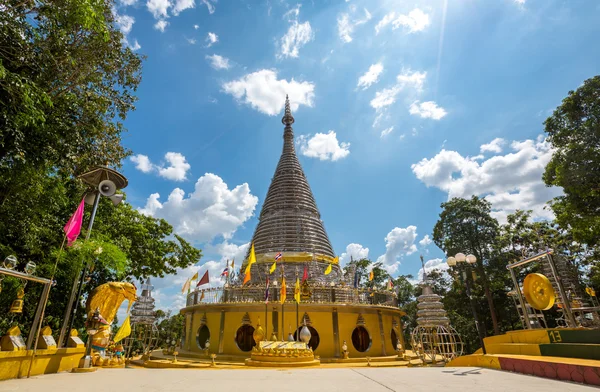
282	311
71	311
297	333
267	305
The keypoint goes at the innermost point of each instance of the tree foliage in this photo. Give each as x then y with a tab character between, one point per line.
466	226
574	132
67	83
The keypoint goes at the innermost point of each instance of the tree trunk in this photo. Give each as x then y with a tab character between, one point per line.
488	294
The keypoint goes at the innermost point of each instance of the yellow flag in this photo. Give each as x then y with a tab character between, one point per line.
273	268
232	263
124	331
371	275
591	292
247	275
336	260
297	291
283	291
251	260
328	270
195	277
201	296
186	286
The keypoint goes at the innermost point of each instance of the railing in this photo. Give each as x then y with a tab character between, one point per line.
316	295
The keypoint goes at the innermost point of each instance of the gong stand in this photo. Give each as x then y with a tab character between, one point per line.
561	290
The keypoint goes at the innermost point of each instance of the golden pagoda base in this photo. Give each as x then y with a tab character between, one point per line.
282	354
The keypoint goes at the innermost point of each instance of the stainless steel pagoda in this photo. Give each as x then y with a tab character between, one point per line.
434	339
143	309
144	332
290	222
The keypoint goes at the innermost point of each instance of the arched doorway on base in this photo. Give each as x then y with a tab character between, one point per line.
395	339
361	340
244	339
202	336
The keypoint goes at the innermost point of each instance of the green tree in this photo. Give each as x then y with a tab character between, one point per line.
465	225
574	132
66	83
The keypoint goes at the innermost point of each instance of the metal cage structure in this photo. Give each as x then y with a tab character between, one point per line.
434	339
575	311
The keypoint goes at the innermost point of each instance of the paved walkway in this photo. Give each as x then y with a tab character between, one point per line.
292	380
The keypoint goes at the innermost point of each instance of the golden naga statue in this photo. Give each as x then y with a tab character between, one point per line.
107	298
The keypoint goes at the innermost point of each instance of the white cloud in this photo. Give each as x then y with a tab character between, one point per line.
218	62
354	251
493	146
209	4
415	79
387	96
211	39
415	21
427	109
292	14
158	8
135	46
176	170
386	20
324	146
142	163
425	241
346	26
520	2
124	23
386	131
431	265
182	5
512	181
161	25
265	93
191	41
298	35
211	210
371	76
127	3
196	27
398	242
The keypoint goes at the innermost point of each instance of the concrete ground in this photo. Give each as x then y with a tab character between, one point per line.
280	380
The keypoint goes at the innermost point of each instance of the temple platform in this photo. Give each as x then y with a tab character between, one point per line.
571	354
193	360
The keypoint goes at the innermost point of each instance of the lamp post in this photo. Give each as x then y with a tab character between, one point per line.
463	264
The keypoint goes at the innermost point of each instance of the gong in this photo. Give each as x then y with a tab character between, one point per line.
538	291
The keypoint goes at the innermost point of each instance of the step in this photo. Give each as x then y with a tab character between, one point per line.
571	350
583	371
541	336
513	348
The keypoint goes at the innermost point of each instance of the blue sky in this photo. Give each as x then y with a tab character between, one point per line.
399	105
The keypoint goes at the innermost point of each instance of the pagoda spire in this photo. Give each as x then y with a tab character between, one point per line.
289	221
287	119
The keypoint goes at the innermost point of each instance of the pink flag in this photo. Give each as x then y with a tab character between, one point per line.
73	226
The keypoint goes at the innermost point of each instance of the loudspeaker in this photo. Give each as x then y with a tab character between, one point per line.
89	198
117	198
107	188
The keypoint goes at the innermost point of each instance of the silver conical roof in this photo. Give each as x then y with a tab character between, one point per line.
290	220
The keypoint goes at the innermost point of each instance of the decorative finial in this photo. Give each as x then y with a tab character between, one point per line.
287	119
